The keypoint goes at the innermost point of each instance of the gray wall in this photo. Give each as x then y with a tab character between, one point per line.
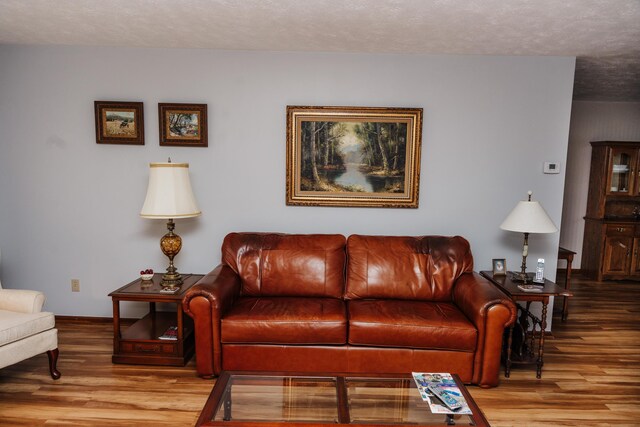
70	207
590	121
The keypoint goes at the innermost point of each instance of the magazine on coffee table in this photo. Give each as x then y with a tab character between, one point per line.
446	383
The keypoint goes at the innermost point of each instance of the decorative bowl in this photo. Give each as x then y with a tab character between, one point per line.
146	276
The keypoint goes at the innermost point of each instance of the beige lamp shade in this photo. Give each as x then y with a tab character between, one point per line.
169	194
529	217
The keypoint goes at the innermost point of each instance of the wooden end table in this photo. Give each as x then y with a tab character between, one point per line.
140	343
525	348
566	255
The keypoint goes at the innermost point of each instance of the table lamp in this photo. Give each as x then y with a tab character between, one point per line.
169	196
528	217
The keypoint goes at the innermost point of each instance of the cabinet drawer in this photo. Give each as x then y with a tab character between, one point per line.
621	230
148	347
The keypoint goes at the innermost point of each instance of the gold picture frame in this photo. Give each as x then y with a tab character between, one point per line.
119	122
353	156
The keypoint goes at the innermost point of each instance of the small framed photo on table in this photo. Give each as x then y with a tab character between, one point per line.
499	266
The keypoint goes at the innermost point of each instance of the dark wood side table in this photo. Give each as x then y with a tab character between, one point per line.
566	255
140	343
525	343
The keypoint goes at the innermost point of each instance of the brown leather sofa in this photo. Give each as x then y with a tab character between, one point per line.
322	303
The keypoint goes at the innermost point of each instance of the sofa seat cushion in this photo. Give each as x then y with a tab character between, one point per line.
410	324
15	326
285	320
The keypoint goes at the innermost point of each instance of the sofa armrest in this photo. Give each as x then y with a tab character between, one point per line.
491	311
474	295
206	302
20	300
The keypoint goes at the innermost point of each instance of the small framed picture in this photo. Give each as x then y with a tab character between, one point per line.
119	122
499	266
183	125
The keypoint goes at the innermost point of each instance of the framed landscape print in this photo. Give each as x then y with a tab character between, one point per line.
119	122
353	156
183	125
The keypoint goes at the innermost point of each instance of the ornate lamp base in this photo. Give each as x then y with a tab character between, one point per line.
171	280
522	276
171	244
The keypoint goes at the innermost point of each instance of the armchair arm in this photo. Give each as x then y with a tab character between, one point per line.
491	311
206	302
21	300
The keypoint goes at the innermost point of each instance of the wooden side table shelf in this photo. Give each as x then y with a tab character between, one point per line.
566	255
527	350
139	344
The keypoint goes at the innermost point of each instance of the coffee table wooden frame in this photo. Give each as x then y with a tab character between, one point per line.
217	394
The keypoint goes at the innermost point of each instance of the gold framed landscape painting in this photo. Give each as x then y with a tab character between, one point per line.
353	156
183	125
119	122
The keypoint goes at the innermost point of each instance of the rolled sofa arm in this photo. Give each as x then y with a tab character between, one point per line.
21	300
491	311
206	302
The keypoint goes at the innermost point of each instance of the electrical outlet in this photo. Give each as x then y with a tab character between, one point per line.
75	285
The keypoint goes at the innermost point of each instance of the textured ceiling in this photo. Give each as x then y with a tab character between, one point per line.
603	35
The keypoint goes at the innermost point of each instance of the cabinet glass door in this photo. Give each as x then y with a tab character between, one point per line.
621	171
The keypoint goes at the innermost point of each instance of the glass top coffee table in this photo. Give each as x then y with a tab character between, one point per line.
263	399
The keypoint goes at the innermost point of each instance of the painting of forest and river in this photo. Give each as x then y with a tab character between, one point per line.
350	156
353	157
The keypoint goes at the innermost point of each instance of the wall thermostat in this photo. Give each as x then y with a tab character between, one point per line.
551	167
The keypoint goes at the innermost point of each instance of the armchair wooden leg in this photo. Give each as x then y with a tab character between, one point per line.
53	360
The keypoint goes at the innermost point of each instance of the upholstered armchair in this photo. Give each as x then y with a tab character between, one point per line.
25	330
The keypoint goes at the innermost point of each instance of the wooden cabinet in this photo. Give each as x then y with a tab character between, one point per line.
612	221
622	178
621	258
618	246
634	271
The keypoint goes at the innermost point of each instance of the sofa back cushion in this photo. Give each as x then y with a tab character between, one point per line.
411	268
270	264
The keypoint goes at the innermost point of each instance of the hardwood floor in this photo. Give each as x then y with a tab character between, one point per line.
591	376
94	392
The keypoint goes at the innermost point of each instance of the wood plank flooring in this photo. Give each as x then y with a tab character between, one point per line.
591	376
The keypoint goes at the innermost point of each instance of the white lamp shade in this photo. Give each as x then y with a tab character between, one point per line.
169	194
529	217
